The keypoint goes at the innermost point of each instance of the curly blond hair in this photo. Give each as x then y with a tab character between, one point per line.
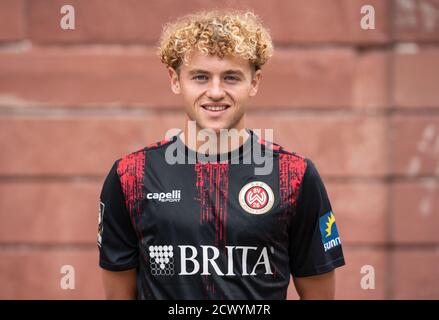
216	33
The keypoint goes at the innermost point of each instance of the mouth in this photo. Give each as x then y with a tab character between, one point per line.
215	107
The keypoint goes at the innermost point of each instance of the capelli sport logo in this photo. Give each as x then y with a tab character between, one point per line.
329	232
173	196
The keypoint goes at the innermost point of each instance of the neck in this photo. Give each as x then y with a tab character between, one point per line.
213	141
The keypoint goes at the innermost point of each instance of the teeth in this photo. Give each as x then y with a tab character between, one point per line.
215	108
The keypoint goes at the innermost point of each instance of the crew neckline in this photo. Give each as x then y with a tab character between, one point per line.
235	154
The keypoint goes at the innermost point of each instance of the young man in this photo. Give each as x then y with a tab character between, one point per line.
209	226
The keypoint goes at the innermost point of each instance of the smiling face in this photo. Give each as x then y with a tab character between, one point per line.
215	90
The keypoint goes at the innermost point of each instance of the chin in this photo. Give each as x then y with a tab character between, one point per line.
213	126
217	128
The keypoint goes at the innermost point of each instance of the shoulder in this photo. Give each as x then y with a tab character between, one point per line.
285	155
133	163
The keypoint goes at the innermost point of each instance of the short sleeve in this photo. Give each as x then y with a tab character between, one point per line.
315	246
117	239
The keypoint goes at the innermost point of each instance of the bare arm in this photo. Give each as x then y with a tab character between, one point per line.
120	285
320	287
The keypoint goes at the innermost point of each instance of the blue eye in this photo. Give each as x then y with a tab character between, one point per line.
200	77
232	78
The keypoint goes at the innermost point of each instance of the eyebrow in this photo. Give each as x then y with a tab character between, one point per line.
230	71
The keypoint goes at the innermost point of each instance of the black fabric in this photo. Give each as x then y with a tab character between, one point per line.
307	254
239	254
120	250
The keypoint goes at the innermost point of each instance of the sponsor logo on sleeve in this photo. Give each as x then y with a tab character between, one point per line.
100	223
329	232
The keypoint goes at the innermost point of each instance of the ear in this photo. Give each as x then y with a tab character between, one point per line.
175	82
255	83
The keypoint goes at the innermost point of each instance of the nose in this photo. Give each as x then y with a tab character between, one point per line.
215	90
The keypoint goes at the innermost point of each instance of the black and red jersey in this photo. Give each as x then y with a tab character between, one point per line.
216	229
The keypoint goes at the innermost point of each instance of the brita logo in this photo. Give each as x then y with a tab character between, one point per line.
173	196
204	260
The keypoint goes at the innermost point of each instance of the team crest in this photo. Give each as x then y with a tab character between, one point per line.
256	197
